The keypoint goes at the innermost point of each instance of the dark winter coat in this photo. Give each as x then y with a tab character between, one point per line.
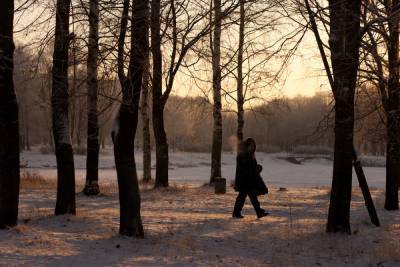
248	178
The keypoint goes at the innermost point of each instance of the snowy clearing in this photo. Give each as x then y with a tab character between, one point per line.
188	225
194	168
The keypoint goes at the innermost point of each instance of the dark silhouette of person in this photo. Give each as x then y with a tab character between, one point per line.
248	181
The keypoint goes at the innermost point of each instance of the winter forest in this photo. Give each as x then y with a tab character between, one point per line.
199	132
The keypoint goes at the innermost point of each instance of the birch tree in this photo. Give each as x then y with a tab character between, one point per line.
126	123
92	144
216	148
145	111
240	95
161	179
344	41
185	25
380	61
393	109
60	101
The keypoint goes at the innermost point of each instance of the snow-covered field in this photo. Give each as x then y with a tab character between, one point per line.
194	168
188	225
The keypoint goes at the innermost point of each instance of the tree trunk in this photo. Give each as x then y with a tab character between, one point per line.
59	100
73	89
93	146
146	125
9	132
240	96
160	137
216	66
158	101
344	42
127	120
393	111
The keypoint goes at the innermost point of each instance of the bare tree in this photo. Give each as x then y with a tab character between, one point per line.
60	101
393	108
240	95
379	70
158	99
9	132
344	41
217	103
93	146
126	123
145	110
185	25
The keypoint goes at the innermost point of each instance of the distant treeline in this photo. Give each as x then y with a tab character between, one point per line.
282	124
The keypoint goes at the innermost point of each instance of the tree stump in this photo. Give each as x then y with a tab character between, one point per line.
220	185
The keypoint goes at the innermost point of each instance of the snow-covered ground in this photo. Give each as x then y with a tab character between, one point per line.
188	225
194	168
193	227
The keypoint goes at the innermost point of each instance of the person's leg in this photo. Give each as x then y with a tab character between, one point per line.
256	204
239	203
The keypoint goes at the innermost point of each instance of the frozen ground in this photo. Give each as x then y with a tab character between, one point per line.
188	226
194	168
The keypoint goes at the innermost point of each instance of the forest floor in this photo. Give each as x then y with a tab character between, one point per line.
191	226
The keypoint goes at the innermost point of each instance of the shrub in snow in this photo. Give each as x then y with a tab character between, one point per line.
79	150
312	150
372	161
268	148
45	150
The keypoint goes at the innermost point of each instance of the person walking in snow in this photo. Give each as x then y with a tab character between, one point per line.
248	181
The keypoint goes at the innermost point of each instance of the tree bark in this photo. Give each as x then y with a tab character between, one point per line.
126	123
160	136
59	100
93	146
217	115
344	42
393	111
240	96
9	129
146	125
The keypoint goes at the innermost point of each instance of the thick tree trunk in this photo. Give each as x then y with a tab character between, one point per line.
9	132
59	100
217	107
240	96
393	111
146	125
158	100
344	42
126	123
93	146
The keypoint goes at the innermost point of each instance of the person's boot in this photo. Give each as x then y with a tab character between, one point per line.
261	213
237	216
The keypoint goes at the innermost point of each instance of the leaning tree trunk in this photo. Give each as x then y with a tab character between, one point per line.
158	101
216	66
146	125
59	100
9	132
393	111
240	96
344	43
93	146
126	123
